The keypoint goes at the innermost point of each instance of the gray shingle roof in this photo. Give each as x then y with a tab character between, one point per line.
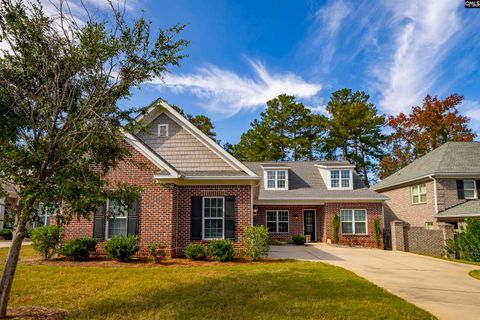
451	158
216	173
305	182
470	208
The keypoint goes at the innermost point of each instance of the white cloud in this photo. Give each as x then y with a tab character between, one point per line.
471	109
423	33
226	92
328	21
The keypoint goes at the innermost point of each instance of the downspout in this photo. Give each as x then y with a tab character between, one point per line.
434	192
383	213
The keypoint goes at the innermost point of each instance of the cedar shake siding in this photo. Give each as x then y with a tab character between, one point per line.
180	148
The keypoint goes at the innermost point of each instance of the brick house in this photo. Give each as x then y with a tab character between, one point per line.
440	187
196	191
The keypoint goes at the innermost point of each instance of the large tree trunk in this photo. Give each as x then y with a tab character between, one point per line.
11	266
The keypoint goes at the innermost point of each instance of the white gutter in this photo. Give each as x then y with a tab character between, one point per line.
435	192
221	178
326	199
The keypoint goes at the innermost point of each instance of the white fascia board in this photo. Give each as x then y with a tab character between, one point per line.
404	183
134	142
325	199
221	178
335	166
202	137
274	168
439	216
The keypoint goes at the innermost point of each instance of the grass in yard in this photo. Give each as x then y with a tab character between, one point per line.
264	290
475	274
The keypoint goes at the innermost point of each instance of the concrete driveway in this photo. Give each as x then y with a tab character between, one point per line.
441	287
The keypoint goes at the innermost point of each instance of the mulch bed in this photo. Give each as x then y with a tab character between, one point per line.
36	313
138	262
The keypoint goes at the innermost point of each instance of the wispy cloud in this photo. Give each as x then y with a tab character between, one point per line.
471	108
226	92
423	33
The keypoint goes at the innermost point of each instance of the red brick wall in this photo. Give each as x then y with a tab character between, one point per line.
242	207
295	224
374	210
159	219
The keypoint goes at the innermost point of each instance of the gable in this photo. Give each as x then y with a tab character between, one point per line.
181	148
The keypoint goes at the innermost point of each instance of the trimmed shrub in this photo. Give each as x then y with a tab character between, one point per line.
256	242
79	249
196	251
222	250
376	228
336	226
121	248
6	234
46	240
299	239
157	252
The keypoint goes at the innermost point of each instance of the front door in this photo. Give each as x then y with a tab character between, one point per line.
309	223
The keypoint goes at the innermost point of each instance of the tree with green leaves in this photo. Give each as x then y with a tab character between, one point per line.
202	122
355	129
426	128
286	130
60	126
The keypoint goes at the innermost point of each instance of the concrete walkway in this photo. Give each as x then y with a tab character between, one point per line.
441	287
6	243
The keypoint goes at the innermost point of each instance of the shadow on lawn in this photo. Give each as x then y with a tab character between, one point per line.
295	292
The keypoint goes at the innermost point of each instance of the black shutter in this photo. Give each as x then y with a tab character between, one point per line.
478	189
196	218
460	192
230	218
99	223
132	225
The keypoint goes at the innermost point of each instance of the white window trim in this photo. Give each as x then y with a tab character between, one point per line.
276	179
203	218
350	179
107	208
353	222
277	220
417	186
475	191
163	125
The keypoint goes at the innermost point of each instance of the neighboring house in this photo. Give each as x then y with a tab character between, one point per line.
8	199
196	191
442	186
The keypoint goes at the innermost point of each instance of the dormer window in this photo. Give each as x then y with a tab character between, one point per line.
276	179
340	179
163	130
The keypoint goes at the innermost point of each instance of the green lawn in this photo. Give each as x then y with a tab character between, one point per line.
265	290
475	274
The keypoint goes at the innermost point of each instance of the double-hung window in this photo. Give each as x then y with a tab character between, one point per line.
419	193
353	221
117	219
339	179
276	179
277	221
213	217
469	189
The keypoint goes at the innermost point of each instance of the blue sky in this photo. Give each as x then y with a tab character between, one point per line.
243	53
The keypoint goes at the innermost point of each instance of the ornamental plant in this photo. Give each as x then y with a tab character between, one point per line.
299	239
46	240
376	228
222	250
121	248
196	251
336	226
157	252
256	242
79	249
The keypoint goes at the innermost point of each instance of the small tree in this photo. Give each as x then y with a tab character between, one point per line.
336	226
256	242
468	241
60	123
376	227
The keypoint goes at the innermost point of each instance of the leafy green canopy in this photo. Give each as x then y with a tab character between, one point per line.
60	85
286	130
